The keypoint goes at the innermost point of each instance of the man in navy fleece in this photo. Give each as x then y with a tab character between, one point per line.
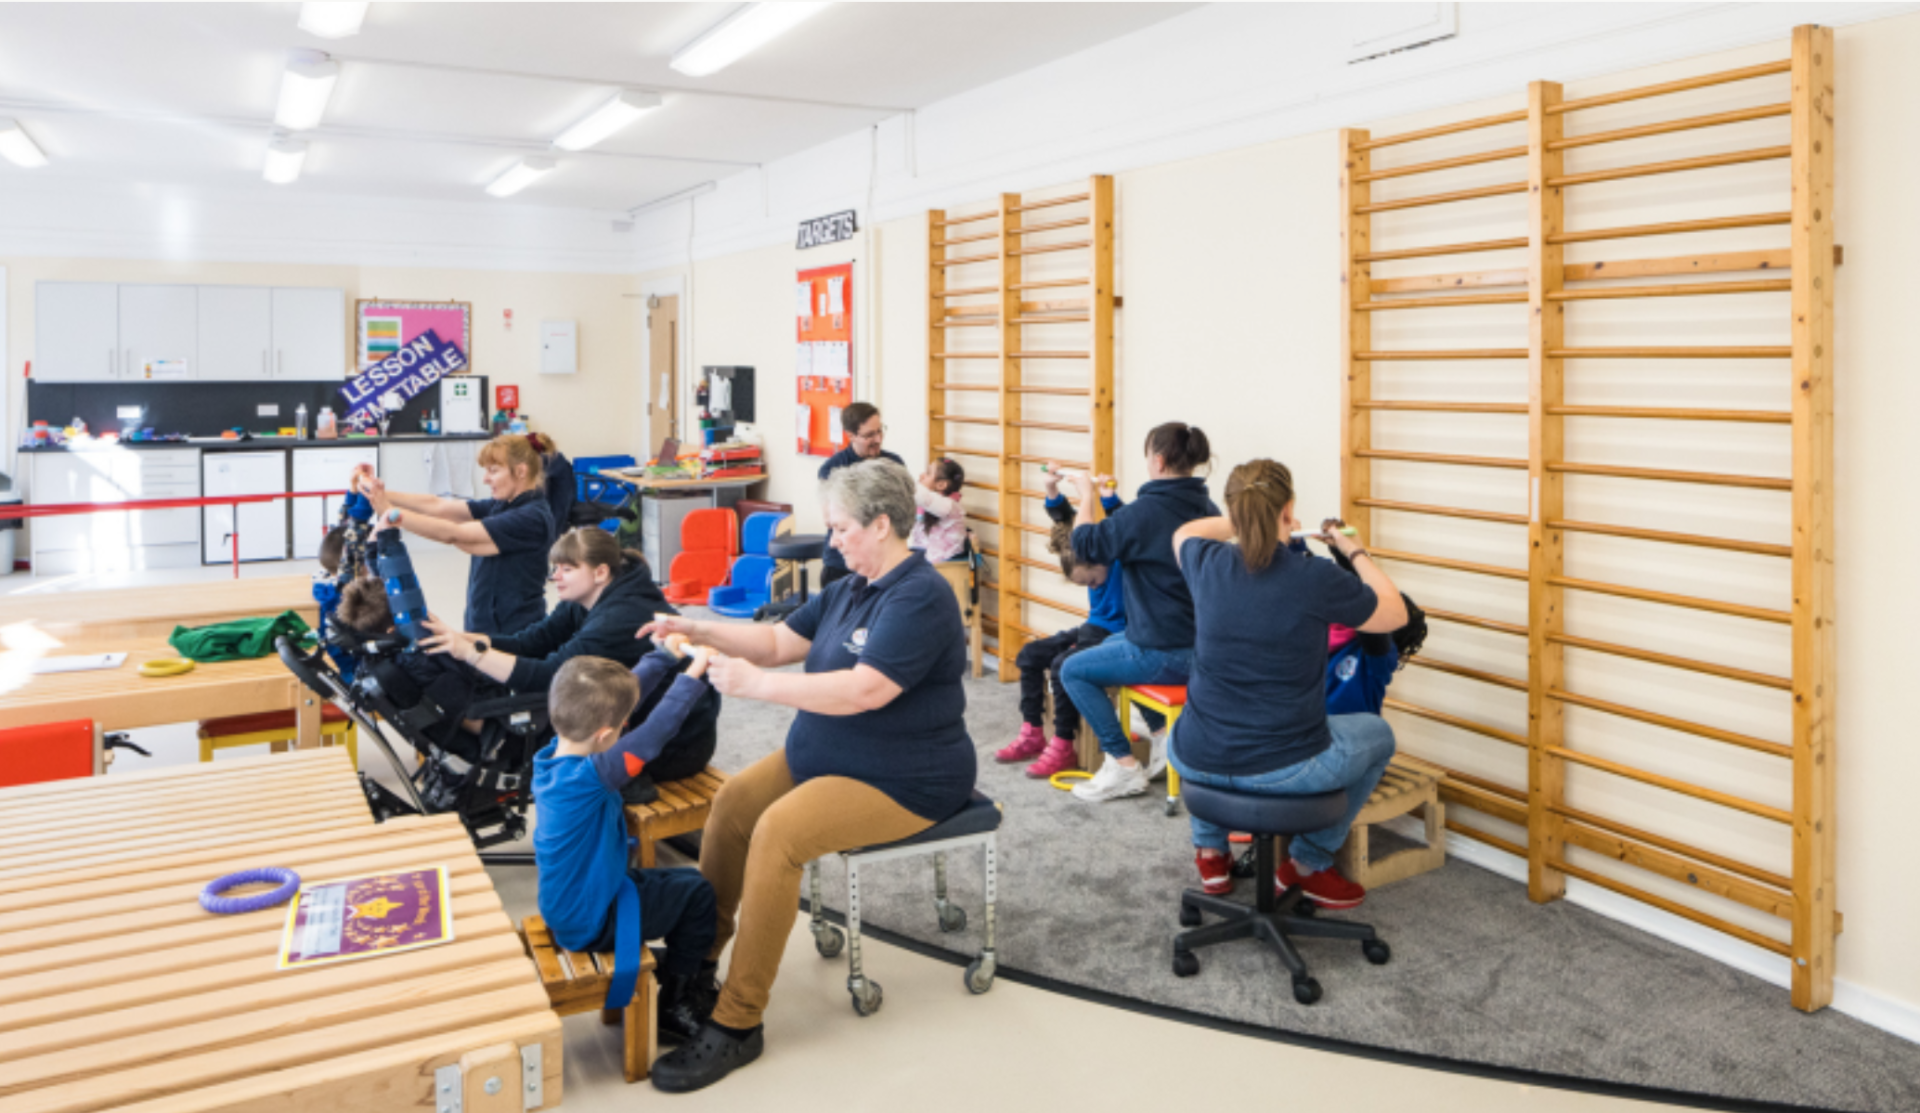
580	837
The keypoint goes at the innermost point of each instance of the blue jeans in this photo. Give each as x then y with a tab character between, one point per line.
1362	745
1112	664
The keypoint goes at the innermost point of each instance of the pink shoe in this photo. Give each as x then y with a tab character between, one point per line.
1024	748
1058	759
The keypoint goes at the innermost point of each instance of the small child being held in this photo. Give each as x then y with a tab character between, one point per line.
580	833
941	529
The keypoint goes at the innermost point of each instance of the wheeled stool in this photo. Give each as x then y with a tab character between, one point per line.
974	825
1274	918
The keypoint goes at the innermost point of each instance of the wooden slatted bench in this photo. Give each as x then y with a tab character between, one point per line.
682	808
577	983
1408	785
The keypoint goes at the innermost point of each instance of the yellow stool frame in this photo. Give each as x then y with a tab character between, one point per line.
1123	700
335	734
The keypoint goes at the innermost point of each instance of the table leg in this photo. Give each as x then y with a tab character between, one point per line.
307	720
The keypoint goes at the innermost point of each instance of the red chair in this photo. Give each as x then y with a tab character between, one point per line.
46	752
708	541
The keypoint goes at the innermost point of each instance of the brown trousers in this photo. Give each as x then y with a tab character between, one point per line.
761	834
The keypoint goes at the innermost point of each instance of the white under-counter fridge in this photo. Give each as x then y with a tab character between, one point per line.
262	525
323	469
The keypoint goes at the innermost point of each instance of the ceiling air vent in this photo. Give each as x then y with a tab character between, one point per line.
1376	30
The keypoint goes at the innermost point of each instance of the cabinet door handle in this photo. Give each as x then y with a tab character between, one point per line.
113	360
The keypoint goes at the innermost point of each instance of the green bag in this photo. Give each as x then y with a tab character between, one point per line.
236	641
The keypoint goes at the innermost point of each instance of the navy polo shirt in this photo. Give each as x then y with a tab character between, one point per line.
916	749
507	592
845	458
1257	699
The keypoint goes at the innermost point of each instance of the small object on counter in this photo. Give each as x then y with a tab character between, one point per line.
329	425
299	422
517	425
41	434
429	424
166	666
77	428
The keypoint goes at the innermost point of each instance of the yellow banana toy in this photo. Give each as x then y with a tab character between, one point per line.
166	666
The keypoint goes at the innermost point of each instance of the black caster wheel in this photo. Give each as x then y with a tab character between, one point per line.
1306	908
1377	951
1243	866
867	1003
979	976
1185	965
1189	917
953	918
1172	807
829	941
1306	990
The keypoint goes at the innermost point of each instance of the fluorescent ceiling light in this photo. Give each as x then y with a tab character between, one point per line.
284	158
740	34
331	20
624	109
17	147
524	173
304	89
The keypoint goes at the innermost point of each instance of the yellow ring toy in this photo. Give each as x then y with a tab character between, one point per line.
1058	779
166	666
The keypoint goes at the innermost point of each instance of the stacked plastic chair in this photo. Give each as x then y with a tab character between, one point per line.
751	583
708	542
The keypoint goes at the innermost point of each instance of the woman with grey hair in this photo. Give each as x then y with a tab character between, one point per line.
879	750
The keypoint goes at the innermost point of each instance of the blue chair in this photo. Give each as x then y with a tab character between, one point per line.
592	487
750	584
1274	917
977	824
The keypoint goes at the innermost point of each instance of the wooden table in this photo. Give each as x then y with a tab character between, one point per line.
639	478
151	613
122	699
118	992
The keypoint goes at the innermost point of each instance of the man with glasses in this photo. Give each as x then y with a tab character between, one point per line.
864	432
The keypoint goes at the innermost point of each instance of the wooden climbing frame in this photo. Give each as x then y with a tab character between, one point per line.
1548	285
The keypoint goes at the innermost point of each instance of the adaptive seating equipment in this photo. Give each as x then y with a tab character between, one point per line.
577	983
1274	918
975	824
797	548
680	809
276	728
751	578
708	540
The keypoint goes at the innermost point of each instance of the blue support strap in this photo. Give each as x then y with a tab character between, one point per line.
627	949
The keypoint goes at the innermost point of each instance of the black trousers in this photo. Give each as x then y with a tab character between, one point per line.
1039	660
676	906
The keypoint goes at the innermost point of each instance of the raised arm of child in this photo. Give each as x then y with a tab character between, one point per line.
624	760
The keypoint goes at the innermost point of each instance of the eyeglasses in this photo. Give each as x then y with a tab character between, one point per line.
873	436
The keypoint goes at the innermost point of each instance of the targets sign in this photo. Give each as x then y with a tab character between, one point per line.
826	229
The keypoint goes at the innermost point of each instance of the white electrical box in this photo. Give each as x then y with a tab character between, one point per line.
559	347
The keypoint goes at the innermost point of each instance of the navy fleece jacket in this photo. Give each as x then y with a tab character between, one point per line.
1140	535
627	603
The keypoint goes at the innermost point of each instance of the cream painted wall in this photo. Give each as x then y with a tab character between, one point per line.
595	411
1229	266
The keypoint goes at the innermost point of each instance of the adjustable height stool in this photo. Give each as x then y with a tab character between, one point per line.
1275	916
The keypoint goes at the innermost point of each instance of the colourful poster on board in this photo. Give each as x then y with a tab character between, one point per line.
365	917
823	361
382	328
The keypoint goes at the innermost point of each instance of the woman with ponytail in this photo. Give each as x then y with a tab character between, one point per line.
1256	717
1157	646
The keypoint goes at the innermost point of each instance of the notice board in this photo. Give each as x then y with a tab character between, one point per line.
381	326
823	361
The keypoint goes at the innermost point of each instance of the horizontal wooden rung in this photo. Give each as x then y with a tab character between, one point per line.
1765	942
1681	86
1500	155
1050	355
967	420
1056	319
1443	511
1442	198
1054	284
966	239
1514	628
955	450
1688	124
1058	463
1679	290
1664	475
1443	129
1442	353
1671	784
968	322
1648	169
1668	660
1030	206
1731	865
965	259
979	388
1508	737
1690	602
1049	249
1052	425
968	292
1436	303
1049	226
1716	262
1064	391
1441	249
1456	827
1782	352
1441	458
1759	745
1465	280
951	221
1695	540
1447	407
1456	565
1674	413
1494	679
1678	227
964	355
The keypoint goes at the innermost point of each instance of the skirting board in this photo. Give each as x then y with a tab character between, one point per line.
1883	1012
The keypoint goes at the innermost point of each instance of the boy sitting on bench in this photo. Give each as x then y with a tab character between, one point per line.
591	901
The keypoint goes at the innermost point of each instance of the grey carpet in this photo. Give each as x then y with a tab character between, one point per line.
1089	896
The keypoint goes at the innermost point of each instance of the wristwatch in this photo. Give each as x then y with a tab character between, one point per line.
483	646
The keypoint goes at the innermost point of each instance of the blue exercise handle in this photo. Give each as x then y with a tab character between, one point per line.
212	901
404	597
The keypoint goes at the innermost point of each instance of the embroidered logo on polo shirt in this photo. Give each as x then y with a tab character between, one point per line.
1345	669
857	642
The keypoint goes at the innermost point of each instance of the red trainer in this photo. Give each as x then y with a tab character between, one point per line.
1216	873
1058	758
1326	888
1024	748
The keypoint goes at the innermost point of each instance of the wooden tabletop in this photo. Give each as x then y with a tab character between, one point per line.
118	992
639	478
122	699
152	612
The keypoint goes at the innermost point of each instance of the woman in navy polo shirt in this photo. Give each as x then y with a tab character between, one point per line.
879	750
1256	718
507	535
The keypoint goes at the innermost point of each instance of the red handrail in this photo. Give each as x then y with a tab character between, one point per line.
57	509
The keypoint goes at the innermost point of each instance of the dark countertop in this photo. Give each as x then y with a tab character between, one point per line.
262	443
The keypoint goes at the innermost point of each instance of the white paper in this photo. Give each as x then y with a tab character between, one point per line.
833	423
166	369
85	662
803	362
803	301
832	360
806	422
837	294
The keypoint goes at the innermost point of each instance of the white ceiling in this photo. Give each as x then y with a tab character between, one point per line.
436	100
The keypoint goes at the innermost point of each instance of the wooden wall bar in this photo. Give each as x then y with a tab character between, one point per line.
1806	900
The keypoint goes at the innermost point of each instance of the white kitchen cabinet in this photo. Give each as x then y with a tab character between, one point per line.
76	329
159	325
323	469
262	525
115	541
309	334
236	333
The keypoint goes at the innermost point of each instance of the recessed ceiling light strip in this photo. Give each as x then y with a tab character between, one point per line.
626	107
17	147
740	34
304	88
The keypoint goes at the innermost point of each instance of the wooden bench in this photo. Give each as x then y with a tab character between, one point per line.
681	809
577	983
1407	786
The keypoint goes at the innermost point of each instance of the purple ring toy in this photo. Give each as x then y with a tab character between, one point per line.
212	901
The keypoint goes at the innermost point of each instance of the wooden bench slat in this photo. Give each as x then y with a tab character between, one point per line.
144	780
181	793
162	839
192	810
29	871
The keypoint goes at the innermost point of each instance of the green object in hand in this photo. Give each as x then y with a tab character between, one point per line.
239	640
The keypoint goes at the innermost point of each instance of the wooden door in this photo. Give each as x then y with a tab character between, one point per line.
663	370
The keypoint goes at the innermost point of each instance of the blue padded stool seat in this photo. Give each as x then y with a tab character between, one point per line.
1274	916
757	531
750	587
975	824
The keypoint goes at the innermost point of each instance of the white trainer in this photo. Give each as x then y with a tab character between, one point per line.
1157	760
1112	782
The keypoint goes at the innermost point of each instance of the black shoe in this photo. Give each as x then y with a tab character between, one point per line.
706	1060
640	790
685	1006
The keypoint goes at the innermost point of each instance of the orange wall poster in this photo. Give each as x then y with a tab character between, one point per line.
823	361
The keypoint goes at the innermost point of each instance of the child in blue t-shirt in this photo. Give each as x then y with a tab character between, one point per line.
580	835
1043	657
1360	666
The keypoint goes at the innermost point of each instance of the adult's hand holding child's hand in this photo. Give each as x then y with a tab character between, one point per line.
665	625
731	676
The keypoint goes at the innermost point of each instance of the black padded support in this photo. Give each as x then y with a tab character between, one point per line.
977	818
1274	815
